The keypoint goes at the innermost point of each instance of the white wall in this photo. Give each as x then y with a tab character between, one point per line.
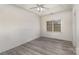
66	25
17	26
77	28
74	26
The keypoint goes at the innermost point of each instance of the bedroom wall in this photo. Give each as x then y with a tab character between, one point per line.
66	25
74	25
17	27
76	33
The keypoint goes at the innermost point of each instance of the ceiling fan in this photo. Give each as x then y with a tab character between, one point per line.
39	7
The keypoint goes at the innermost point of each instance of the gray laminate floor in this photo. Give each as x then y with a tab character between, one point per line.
43	46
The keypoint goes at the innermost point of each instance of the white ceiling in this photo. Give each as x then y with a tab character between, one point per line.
52	8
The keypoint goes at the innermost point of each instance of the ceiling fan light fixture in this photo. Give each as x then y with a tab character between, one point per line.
40	9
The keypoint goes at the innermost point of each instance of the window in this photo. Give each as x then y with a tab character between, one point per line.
54	26
49	26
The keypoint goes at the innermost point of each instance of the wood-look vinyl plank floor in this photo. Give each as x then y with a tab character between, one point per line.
43	46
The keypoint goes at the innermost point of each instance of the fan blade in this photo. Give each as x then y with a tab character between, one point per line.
40	5
44	7
33	7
